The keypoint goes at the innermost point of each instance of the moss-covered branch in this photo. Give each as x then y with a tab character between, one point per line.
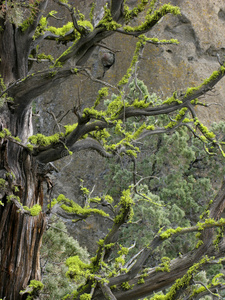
151	19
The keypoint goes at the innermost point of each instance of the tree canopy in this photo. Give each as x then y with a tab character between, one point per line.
113	129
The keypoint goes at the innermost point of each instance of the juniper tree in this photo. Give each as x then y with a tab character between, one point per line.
26	158
57	246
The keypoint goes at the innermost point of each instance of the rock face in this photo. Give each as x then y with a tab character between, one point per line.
164	69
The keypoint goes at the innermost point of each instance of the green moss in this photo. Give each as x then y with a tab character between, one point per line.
131	153
113	287
42	140
30	147
130	14
70	128
33	12
126	210
200	242
115	106
53	202
185	280
2	84
4	133
152	18
44	56
173	99
150	127
215	281
126	286
212	77
34	210
41	28
72	207
194	101
84	190
119	261
61	31
58	63
108	246
103	92
139	45
219	237
169	232
157	41
109	199
77	269
85	297
91	14
123	251
107	21
35	286
140	103
2	182
16	189
93	113
141	281
216	278
165	265
43	21
178	118
85	26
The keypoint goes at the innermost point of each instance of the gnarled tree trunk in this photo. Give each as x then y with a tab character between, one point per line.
20	232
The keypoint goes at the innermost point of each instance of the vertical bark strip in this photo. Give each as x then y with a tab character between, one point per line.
20	234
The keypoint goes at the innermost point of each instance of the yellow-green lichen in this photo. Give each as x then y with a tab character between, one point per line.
34	210
77	269
126	210
139	45
35	287
107	22
126	286
72	207
169	232
165	265
85	296
130	14
103	92
152	18
42	140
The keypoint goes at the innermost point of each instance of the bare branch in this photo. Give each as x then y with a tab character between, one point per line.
71	10
156	16
211	293
212	289
107	291
54	117
23	91
117	9
88	73
19	206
